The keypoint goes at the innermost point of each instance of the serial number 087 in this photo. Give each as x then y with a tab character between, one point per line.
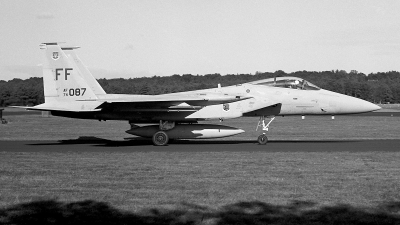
74	92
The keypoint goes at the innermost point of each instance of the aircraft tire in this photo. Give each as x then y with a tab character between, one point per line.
262	139
160	138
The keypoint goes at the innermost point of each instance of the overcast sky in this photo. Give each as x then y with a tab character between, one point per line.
147	38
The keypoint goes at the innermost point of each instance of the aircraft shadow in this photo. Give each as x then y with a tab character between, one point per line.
145	142
249	212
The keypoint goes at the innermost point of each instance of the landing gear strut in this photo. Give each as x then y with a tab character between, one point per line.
160	138
263	139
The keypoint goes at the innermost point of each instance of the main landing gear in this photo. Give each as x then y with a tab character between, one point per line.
263	139
160	138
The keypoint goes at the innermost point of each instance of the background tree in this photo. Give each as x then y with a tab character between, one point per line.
381	87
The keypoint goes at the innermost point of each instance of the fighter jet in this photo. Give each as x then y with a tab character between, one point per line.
70	90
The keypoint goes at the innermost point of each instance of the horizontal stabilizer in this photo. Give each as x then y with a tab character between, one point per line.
56	107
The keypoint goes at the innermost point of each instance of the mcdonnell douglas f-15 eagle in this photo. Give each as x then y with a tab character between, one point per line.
70	90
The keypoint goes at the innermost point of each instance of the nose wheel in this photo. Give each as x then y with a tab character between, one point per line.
263	139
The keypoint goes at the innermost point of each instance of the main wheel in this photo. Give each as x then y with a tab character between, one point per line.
262	139
160	138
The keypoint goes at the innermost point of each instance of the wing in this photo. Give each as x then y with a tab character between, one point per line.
163	103
202	99
138	103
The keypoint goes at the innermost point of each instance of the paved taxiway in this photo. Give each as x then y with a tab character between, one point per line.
102	145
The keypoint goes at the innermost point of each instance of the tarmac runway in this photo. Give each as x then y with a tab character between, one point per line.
103	145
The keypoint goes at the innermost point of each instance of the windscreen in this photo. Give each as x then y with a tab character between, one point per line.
290	83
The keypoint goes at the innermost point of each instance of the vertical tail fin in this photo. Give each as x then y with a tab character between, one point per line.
86	74
64	78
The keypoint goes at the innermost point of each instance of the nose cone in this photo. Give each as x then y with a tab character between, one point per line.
335	103
350	105
366	106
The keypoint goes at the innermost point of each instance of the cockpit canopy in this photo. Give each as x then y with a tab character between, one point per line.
287	82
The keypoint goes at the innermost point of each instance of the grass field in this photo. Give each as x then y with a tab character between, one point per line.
153	179
136	180
36	127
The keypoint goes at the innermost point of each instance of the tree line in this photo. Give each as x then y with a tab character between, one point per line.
381	87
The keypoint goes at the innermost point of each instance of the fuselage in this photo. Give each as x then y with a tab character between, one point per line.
269	97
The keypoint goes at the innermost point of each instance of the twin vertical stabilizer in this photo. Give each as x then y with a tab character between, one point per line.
63	76
68	84
83	71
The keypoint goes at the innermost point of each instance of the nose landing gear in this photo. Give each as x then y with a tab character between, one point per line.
263	139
